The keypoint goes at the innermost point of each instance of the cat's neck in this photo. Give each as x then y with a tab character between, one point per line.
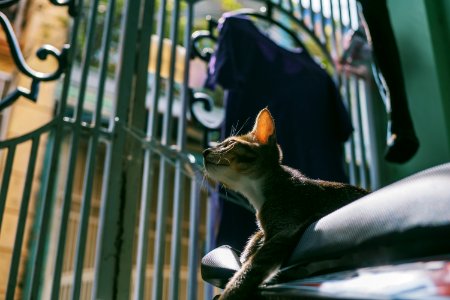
256	190
252	189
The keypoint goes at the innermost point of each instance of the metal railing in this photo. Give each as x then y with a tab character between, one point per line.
114	204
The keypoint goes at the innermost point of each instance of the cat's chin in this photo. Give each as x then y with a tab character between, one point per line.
212	162
216	173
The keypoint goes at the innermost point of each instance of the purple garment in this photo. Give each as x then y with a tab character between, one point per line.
311	120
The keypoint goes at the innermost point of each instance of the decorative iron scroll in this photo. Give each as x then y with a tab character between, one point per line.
201	113
198	111
204	53
42	53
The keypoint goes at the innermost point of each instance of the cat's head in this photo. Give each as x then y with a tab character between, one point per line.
240	159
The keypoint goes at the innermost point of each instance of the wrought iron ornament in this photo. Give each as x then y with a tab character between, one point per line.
36	76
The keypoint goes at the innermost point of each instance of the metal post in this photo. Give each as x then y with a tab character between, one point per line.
138	119
112	210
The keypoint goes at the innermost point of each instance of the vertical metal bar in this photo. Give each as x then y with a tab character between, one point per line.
290	6
160	232
334	44
147	178
141	259
350	145
67	196
317	19
73	152
341	28
136	186
22	219
355	143
43	218
209	240
84	218
300	10
353	14
5	180
48	185
179	182
168	117
322	24
92	150
148	165
309	13
349	96
341	18
194	219
163	175
155	85
109	239
371	139
353	92
326	39
349	25
362	167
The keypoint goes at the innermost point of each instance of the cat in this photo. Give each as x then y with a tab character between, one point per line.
285	200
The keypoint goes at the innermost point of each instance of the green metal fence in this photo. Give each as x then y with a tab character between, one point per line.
113	203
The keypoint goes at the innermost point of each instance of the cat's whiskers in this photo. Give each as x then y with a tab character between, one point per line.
242	127
233	129
203	184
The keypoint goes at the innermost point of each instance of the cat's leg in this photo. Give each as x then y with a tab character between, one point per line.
254	243
258	267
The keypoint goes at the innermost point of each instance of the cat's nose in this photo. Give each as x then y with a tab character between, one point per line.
206	152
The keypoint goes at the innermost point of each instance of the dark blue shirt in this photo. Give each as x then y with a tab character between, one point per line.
311	120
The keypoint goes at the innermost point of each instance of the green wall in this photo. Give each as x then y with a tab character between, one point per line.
422	30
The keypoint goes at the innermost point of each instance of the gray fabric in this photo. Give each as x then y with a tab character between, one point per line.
419	201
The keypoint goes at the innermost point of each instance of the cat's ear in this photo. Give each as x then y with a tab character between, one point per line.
264	129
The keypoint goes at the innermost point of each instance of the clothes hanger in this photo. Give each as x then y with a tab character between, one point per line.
266	15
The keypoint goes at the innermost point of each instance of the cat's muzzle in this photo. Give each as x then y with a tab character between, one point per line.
210	157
